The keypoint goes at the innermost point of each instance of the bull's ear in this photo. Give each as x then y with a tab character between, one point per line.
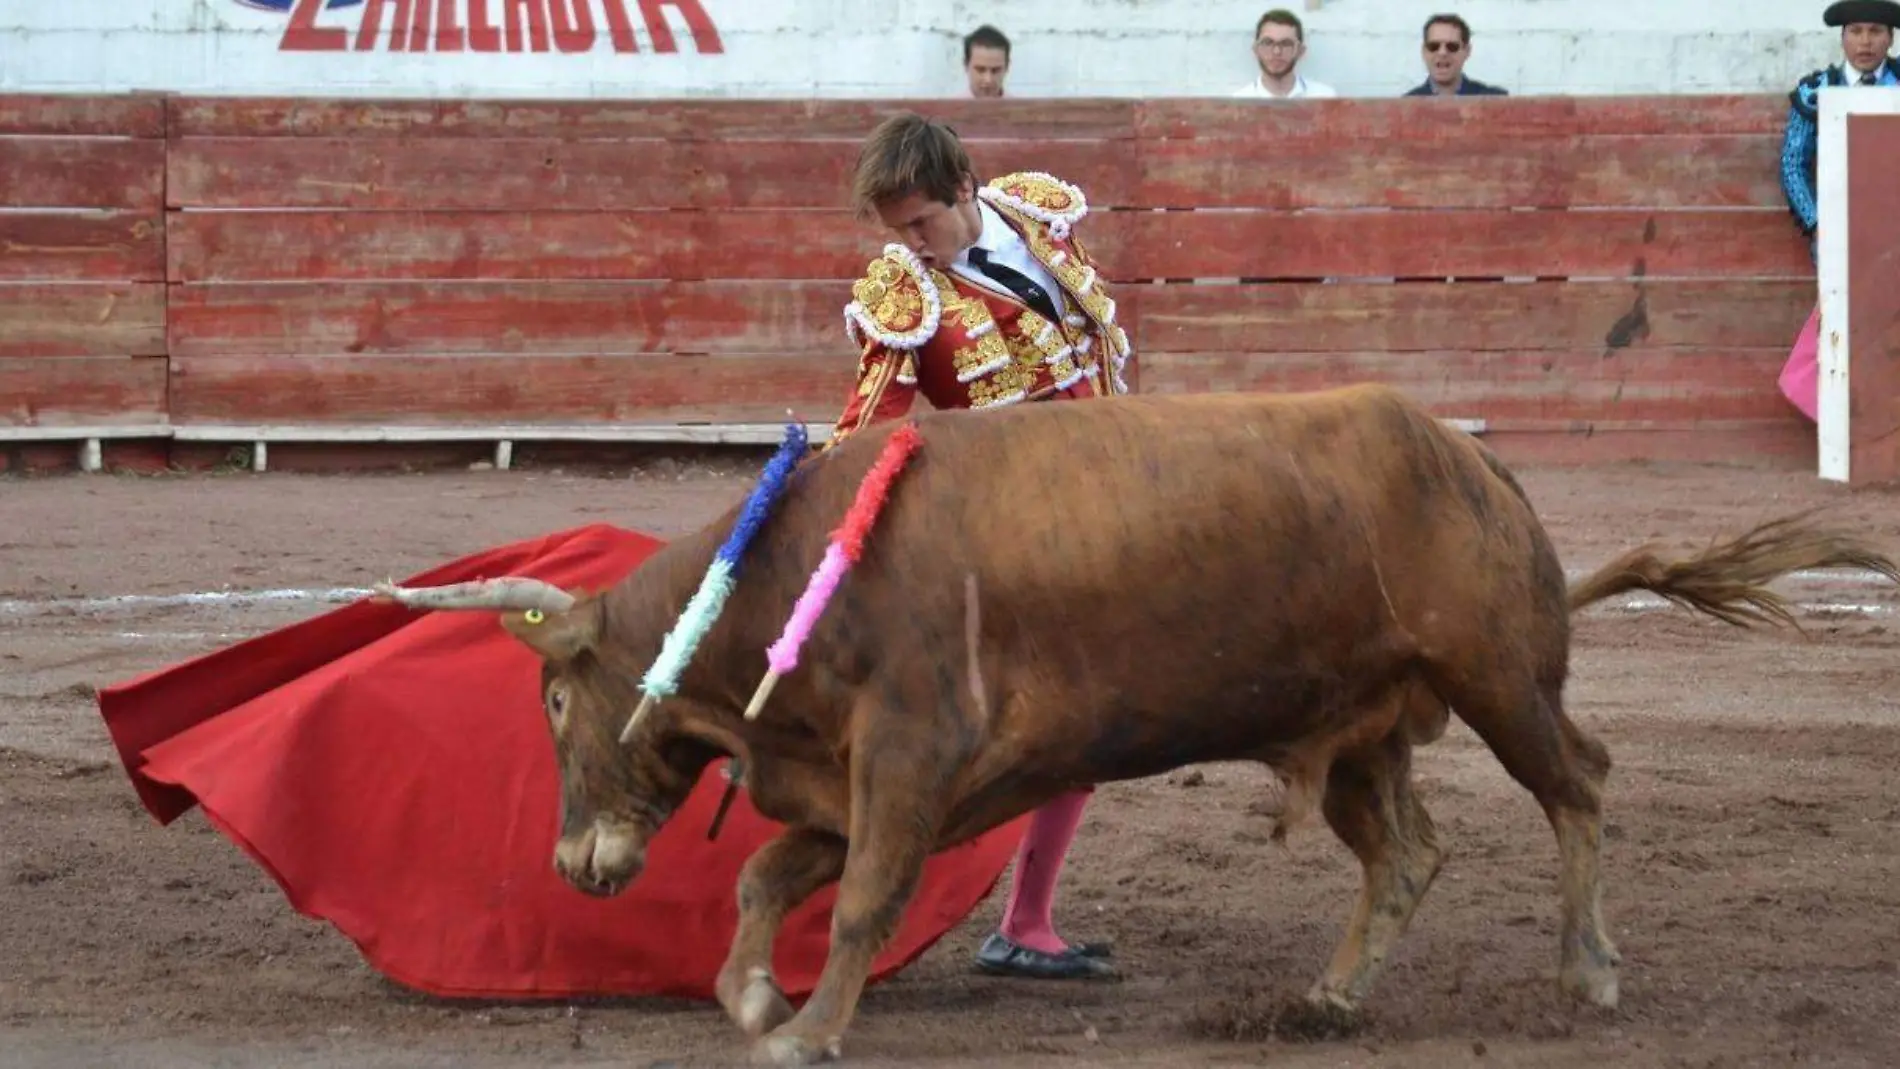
557	636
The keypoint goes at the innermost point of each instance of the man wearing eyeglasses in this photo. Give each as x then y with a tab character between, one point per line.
1447	47
1279	43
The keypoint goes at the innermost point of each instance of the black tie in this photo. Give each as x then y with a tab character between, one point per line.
1867	79
1015	281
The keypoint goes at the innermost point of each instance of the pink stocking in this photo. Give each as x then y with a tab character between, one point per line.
1027	919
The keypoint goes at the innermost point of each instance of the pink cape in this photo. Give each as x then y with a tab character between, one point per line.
1801	375
392	771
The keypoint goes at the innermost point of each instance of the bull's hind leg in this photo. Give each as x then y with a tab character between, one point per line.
775	880
1565	769
1370	805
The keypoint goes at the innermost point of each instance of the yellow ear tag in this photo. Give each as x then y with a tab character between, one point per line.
533	616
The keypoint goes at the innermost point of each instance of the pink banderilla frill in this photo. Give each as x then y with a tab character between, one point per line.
847	543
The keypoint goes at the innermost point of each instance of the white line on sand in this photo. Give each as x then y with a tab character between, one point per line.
18	607
111	602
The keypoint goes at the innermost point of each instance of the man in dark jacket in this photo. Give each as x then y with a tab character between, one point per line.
1447	46
1866	39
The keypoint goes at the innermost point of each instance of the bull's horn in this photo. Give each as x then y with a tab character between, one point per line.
506	593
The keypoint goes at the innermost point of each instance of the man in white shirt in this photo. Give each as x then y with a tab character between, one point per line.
1279	43
998	243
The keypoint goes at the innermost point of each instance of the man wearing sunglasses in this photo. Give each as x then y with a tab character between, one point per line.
1447	46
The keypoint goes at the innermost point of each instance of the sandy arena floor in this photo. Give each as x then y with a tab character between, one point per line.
1751	849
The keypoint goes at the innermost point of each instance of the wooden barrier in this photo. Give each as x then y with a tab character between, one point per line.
82	268
1624	268
1873	298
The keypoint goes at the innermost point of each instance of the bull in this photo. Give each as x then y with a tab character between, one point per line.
1061	595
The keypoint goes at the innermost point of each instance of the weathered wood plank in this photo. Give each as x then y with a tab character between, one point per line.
1770	444
522	389
48	246
1438	244
1672	384
1454	121
610	317
1471	316
1873	290
1327	170
705	120
101	390
82	172
681	246
82	319
264	246
92	115
543	174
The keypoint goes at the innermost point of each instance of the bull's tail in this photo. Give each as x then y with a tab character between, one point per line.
1727	580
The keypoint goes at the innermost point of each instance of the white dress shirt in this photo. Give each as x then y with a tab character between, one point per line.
1006	247
1302	87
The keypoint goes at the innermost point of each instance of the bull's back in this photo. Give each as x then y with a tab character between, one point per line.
1166	552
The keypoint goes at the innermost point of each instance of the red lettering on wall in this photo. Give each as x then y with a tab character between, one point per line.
535	13
418	28
303	34
527	25
619	27
371	28
573	24
705	37
482	34
448	32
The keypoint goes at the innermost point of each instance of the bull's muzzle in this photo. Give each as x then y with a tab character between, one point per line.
602	859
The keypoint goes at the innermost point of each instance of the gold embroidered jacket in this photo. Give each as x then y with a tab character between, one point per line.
934	333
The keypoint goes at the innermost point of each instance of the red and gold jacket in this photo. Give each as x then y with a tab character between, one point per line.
960	345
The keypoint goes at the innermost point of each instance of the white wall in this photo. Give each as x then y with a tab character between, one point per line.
828	48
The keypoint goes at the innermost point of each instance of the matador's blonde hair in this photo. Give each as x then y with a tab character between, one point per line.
908	154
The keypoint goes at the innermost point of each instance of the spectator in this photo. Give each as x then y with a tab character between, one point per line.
1867	30
1866	37
986	61
1447	47
1279	43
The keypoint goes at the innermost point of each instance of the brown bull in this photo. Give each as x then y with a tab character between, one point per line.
1071	594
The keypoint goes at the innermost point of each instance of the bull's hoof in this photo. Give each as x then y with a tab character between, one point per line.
1592	984
753	1000
794	1050
1589	970
762	1008
1318	1017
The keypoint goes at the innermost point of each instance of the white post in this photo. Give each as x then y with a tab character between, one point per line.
1831	267
504	454
90	458
260	456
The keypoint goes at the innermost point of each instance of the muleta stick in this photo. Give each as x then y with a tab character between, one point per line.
676	650
847	543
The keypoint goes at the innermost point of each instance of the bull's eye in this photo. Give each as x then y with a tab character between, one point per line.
557	703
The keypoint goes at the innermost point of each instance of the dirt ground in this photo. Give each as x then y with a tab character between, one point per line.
1750	849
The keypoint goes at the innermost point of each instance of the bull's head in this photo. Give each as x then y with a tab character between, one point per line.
620	781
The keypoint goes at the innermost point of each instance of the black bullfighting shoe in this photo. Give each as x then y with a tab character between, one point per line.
1002	956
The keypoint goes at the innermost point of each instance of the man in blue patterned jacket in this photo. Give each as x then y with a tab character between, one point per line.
1867	28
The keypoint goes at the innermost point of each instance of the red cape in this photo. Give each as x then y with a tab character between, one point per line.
393	772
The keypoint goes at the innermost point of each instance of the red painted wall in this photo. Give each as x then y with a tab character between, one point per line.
293	261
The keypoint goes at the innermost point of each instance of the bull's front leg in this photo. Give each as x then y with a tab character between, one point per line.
775	881
900	789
